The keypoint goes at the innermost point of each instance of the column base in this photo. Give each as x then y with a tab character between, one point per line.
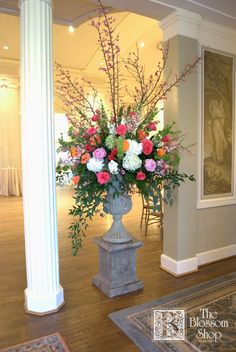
43	304
179	267
99	282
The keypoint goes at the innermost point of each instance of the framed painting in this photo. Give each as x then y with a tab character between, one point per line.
217	137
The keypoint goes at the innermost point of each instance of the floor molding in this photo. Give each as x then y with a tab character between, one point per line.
179	267
214	255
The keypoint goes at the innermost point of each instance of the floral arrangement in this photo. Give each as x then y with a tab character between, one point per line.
118	148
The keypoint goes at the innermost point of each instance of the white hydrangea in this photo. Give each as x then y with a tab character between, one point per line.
131	162
113	167
134	147
95	165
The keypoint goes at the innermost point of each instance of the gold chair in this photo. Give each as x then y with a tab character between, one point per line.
152	216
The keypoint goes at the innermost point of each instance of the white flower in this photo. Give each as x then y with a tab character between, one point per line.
131	162
95	165
113	167
112	129
134	147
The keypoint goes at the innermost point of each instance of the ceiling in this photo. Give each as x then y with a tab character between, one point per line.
79	50
76	11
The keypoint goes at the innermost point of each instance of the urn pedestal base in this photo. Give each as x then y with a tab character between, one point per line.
117	267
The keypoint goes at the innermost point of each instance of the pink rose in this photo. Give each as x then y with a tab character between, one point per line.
121	130
140	176
95	117
103	177
152	126
150	165
99	153
91	131
166	138
147	146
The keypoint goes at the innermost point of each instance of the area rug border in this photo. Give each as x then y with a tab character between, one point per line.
38	338
121	318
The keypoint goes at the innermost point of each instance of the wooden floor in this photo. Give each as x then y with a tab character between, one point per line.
83	321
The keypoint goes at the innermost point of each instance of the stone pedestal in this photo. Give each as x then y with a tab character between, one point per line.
117	267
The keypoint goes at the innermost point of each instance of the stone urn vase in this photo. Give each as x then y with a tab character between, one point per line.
117	207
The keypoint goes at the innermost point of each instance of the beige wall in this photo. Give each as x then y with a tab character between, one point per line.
189	230
216	227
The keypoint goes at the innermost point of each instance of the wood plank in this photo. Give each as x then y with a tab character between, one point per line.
83	321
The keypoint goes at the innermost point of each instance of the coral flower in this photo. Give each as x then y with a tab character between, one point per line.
141	134
147	146
76	179
161	152
125	146
73	152
140	176
85	158
103	177
121	130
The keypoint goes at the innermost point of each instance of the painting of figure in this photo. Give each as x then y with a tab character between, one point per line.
218	78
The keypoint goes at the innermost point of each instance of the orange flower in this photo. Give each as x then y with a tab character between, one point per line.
161	152
94	140
73	152
76	179
85	158
98	139
125	146
141	134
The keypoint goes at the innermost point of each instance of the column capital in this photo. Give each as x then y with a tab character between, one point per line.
49	2
180	22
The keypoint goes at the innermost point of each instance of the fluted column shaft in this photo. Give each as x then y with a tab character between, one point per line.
43	293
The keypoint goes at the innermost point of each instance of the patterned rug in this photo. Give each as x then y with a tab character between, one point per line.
201	318
50	343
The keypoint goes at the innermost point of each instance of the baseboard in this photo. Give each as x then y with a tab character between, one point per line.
179	267
216	254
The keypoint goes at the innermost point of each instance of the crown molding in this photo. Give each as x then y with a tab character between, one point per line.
209	8
180	22
217	29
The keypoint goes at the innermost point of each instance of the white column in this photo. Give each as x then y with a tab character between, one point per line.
43	293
